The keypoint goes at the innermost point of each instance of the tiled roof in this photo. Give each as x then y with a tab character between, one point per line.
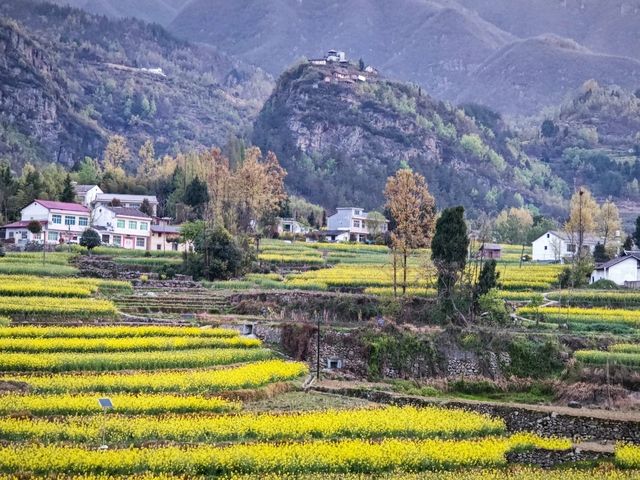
22	224
83	188
617	260
124	197
71	207
128	212
490	246
165	228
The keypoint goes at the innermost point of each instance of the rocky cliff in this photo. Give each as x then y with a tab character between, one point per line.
341	132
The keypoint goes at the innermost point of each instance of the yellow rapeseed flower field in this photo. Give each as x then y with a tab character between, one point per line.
40	405
30	331
251	375
399	422
344	456
43	345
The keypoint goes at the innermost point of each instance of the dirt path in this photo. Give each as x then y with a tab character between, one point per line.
336	386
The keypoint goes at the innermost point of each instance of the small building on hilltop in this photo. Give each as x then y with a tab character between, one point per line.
623	271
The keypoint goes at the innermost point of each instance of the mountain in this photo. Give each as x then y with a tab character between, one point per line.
340	136
117	76
608	27
528	75
593	138
442	45
154	11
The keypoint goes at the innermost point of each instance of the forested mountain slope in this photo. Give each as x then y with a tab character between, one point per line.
118	76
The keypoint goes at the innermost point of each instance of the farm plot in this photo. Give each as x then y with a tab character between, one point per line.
587	316
627	355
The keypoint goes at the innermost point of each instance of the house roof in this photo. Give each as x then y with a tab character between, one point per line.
128	212
490	246
617	260
123	197
175	229
587	239
83	188
71	207
22	224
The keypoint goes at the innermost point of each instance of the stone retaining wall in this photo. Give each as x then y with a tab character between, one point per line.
551	423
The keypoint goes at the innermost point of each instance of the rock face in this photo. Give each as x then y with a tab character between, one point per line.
71	79
340	133
34	99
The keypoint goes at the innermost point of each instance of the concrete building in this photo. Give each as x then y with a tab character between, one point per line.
166	238
123	227
61	222
624	271
126	200
356	222
86	194
553	246
291	226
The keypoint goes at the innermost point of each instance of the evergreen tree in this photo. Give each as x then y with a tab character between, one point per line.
90	239
449	249
600	254
628	243
68	192
196	196
636	233
146	208
488	278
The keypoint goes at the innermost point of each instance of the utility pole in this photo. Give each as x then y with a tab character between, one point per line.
318	348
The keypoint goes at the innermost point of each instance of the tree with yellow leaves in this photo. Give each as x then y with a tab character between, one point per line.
608	221
583	216
116	153
413	209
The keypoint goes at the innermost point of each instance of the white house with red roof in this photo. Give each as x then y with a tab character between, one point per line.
61	222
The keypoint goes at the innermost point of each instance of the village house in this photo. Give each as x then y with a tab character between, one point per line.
489	251
61	222
126	200
355	221
86	194
291	226
554	246
166	237
123	227
624	271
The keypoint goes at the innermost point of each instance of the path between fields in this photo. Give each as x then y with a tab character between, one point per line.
335	386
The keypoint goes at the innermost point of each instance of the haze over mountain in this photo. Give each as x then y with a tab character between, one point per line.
70	79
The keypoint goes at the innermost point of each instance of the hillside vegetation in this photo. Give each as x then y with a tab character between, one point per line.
340	141
74	78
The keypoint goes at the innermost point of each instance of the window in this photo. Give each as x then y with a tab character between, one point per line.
52	236
133	225
57	219
24	235
117	240
548	235
144	226
105	238
545	247
158	247
141	242
11	234
571	248
120	223
83	221
69	220
356	223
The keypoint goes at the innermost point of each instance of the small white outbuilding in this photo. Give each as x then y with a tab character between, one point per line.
624	271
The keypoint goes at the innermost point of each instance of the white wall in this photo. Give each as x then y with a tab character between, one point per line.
625	271
548	248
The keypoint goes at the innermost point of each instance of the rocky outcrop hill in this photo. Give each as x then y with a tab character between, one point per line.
340	137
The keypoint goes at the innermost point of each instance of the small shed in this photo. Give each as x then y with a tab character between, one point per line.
490	251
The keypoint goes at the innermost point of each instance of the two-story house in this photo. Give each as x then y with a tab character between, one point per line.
122	227
355	221
126	200
60	221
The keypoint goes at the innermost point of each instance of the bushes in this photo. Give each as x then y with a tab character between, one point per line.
532	358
